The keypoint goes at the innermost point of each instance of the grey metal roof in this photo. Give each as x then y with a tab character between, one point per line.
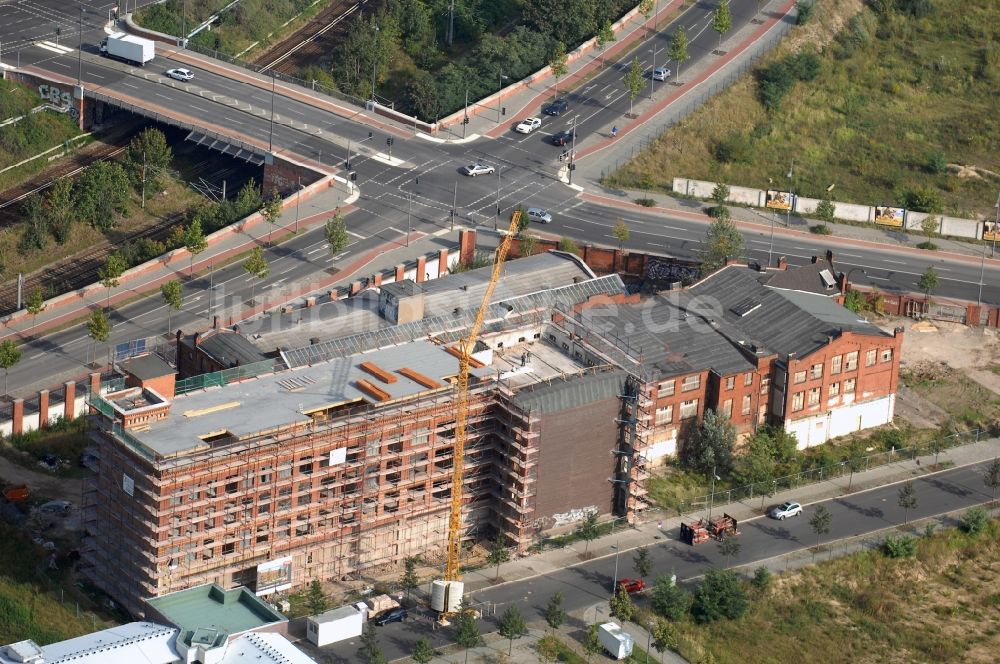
785	321
573	392
145	367
229	348
815	277
404	288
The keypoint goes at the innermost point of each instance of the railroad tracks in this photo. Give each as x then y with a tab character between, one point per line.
296	52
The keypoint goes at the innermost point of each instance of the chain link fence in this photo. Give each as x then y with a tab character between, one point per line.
845	468
684	107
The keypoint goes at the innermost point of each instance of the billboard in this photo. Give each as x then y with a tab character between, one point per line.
889	216
274	576
991	231
779	200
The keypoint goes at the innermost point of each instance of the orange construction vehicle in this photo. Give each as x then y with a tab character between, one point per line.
718	528
17	494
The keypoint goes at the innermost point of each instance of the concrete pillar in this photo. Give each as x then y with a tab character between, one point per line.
69	405
466	245
421	269
400	272
310	302
95	383
442	262
377	279
17	420
43	408
355	287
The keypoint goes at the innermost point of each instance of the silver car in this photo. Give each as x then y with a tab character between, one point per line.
539	216
785	510
180	74
472	170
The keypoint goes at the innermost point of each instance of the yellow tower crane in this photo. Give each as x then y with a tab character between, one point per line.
453	568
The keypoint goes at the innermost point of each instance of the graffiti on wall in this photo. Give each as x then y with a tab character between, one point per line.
58	97
572	516
659	269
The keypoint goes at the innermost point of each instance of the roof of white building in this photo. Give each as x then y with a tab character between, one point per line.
132	643
264	648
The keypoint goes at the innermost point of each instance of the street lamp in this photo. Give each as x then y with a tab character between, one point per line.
572	153
996	224
374	63
497	218
614	581
270	135
79	52
652	72
770	246
791	194
499	99
711	503
347	164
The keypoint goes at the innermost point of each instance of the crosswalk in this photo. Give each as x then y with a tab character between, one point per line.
53	47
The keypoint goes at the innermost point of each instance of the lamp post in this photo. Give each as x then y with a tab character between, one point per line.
499	100
270	134
79	53
298	195
791	194
996	224
652	72
374	63
347	164
847	281
770	245
711	502
572	153
497	218
465	117
614	581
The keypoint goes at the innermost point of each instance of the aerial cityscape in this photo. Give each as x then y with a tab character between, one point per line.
499	330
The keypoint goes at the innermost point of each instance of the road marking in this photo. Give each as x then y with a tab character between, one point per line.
888	260
317	250
360	237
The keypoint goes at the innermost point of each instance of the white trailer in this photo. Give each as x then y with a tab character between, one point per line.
129	48
337	624
615	640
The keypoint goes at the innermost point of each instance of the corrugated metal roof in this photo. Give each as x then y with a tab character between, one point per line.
576	391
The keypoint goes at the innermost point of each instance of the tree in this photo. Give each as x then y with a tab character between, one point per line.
722	20
173	297
720	595
605	36
907	499
589	529
929	281
466	630
929	226
256	266
820	523
527	245
60	208
10	355
194	241
668	599
592	643
634	82
641	562
712	445
35	305
512	626
826	210
729	547
761	578
621	604
720	193
271	212
98	329
336	234
974	521
114	268
678	49
498	554
370	648
102	193
621	233
315	599
664	637
422	652
555	615
992	477
722	241
147	157
558	63
409	580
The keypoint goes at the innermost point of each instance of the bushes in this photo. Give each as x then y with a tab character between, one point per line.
974	521
806	8
820	229
775	81
721	595
921	199
899	546
668	599
736	148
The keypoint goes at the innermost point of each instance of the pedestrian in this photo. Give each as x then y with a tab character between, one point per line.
523	359
614	131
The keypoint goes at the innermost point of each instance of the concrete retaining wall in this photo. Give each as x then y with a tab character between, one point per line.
953	226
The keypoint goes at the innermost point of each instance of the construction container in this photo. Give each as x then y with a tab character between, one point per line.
446	596
380	604
615	640
337	624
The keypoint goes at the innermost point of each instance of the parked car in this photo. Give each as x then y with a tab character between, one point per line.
785	510
180	74
539	216
392	615
472	170
632	586
528	125
557	107
563	137
661	74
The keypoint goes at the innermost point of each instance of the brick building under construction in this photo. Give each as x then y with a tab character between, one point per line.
336	459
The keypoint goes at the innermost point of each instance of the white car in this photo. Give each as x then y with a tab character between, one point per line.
528	125
472	170
180	74
539	216
785	510
661	74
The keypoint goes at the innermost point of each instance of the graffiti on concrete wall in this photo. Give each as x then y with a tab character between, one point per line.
660	269
572	516
58	97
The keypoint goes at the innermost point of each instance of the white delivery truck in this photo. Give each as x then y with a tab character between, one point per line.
337	624
615	640
129	48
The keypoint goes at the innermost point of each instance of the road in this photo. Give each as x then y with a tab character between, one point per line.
419	179
590	582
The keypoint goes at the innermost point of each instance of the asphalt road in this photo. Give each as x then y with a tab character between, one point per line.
421	180
590	582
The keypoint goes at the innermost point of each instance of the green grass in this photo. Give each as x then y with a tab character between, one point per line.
30	136
936	607
919	94
66	439
554	650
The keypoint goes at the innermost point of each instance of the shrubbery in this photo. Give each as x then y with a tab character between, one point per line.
900	546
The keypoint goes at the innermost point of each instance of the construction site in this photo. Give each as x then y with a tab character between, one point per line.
538	389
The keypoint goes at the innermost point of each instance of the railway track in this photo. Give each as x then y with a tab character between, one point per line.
324	32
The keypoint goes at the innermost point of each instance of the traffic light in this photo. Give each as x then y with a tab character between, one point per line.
466	120
354	176
503	111
389	141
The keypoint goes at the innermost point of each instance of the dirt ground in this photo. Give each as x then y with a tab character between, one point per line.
973	352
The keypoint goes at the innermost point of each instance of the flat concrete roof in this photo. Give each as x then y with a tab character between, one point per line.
281	399
211	607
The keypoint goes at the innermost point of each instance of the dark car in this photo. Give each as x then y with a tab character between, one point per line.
392	615
562	137
556	107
